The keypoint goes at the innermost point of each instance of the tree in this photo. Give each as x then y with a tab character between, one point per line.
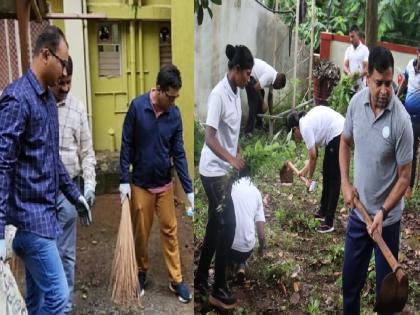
371	23
201	5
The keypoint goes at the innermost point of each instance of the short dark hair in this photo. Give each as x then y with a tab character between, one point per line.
169	77
49	38
380	59
280	81
69	66
354	28
239	55
293	119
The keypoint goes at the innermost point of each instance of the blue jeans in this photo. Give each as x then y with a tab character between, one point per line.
357	253
46	286
66	243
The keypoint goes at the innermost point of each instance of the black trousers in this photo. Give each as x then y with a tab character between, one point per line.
239	257
220	230
415	122
255	106
331	180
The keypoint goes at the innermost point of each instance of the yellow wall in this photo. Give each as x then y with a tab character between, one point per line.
57	7
183	56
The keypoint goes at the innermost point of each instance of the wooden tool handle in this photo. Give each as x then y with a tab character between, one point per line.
393	263
294	169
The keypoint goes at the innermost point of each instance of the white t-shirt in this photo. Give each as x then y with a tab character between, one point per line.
413	85
356	57
320	125
249	209
264	73
223	114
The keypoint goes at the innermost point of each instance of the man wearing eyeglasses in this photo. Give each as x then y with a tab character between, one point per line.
76	152
380	129
151	138
32	174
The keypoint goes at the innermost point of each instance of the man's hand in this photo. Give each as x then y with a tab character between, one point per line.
90	195
84	211
261	247
237	163
190	212
190	197
349	192
125	191
2	249
377	223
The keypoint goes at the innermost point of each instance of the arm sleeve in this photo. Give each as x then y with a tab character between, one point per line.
267	79
308	137
348	123
180	160
259	216
404	145
86	153
127	144
366	55
12	124
214	111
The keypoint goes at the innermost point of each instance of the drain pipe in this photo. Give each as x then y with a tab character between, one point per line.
87	68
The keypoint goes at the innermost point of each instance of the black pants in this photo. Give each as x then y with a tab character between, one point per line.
220	230
239	257
415	122
255	106
331	180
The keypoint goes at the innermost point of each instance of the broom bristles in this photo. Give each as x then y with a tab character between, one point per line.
124	282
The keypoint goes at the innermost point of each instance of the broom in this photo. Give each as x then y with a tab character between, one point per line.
124	282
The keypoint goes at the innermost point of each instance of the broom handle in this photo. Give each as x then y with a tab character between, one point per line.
393	263
294	169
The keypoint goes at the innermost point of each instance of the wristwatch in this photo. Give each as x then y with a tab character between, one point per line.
384	212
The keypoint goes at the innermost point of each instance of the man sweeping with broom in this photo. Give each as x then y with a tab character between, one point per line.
152	136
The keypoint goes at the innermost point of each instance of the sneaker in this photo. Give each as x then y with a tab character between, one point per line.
319	216
223	298
181	290
240	273
202	286
142	282
325	228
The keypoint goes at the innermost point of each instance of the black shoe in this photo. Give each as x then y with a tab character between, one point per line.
202	286
319	216
222	298
325	228
142	282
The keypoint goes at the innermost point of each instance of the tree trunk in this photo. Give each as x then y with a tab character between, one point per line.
371	23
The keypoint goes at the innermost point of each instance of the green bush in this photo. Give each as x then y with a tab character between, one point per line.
198	141
342	93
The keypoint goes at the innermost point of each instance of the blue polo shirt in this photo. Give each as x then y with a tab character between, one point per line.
31	172
148	144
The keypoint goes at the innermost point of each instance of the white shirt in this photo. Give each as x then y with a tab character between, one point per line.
223	114
320	125
356	57
249	209
413	85
264	73
75	140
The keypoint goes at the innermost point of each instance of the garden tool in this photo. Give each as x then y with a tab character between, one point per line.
311	185
394	288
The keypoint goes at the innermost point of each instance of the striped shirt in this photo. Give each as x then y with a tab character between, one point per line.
76	150
31	172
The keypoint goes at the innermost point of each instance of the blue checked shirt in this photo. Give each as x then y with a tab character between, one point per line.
31	172
148	143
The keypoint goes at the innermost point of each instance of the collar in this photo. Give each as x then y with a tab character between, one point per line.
232	96
366	100
149	105
39	89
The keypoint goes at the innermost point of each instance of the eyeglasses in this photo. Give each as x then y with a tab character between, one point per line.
63	62
171	97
